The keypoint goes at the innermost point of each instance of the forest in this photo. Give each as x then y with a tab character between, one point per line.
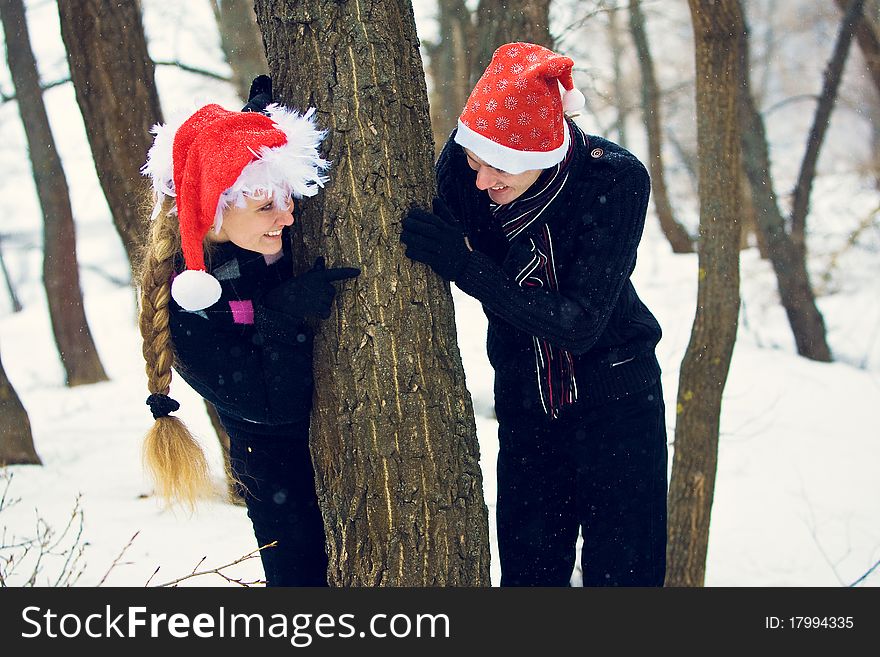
758	123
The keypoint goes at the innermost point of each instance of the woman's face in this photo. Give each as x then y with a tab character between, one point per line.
257	226
501	186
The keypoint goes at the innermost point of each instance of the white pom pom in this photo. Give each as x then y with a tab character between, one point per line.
573	100
194	289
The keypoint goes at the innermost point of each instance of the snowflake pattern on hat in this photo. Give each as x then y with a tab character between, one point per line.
514	119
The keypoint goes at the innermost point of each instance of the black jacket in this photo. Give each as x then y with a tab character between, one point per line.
258	374
596	223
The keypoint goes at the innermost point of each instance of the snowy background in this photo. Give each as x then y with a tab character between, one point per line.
797	498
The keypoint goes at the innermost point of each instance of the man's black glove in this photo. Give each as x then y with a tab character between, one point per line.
310	294
260	95
436	239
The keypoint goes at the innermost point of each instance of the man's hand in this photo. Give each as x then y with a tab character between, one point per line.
436	239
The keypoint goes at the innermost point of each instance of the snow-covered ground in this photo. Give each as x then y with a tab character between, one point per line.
797	498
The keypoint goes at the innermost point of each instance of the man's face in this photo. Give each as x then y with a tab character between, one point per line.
501	186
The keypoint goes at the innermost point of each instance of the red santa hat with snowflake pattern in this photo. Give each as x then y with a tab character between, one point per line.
215	158
513	119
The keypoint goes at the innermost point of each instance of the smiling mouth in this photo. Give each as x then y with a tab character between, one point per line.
273	233
498	189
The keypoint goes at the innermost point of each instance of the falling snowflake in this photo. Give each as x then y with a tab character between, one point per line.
502	122
510	102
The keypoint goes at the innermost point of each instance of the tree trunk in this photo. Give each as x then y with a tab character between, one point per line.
449	66
675	233
718	38
789	262
393	434
16	440
833	74
241	41
504	21
113	77
621	88
7	279
60	270
232	490
867	32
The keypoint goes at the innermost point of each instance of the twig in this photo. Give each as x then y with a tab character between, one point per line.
118	557
869	571
218	570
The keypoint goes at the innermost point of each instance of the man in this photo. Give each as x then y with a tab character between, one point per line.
541	223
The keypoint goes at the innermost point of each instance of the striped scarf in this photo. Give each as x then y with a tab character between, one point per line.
554	367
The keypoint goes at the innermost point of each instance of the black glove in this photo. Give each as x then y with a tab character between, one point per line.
436	240
310	294
260	95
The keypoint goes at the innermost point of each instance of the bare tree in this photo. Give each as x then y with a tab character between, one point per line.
675	233
60	268
393	434
787	248
718	36
113	77
241	41
16	439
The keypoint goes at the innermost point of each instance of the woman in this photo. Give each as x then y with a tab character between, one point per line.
219	303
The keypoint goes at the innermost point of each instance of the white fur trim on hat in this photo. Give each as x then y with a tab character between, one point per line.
294	169
509	159
194	289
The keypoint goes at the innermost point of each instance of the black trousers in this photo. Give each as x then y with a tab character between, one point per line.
602	470
278	483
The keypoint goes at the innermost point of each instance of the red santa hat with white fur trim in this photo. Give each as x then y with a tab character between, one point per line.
215	158
513	119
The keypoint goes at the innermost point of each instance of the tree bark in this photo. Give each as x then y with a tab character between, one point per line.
393	434
718	37
16	440
60	270
449	66
504	21
788	260
113	77
241	41
675	233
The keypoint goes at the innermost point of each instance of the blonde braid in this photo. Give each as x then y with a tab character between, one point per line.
173	457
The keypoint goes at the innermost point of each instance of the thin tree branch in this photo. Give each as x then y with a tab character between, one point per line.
218	570
195	69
